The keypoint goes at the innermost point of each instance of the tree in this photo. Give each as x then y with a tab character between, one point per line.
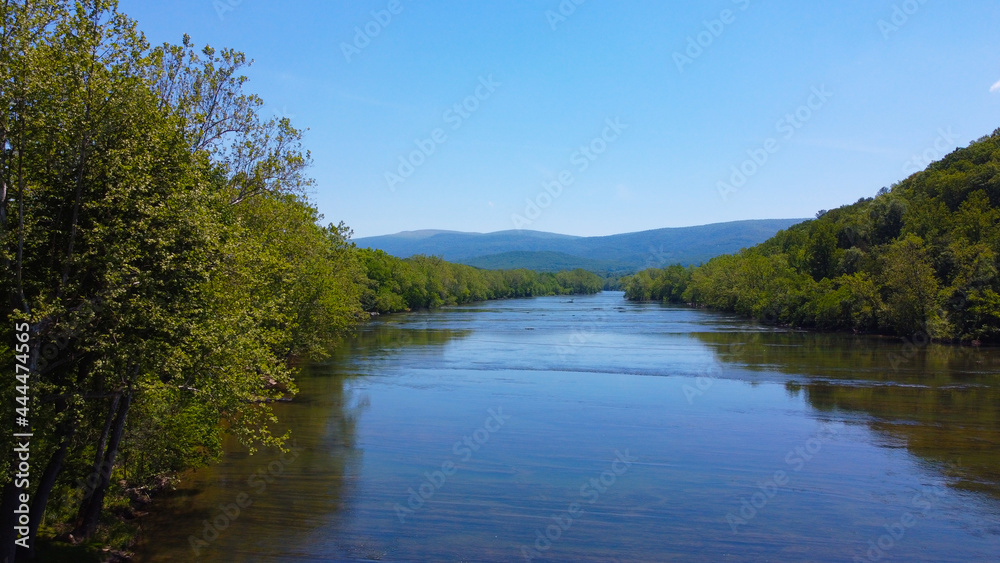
919	257
909	285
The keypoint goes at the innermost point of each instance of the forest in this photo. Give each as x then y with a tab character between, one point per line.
426	282
919	258
163	261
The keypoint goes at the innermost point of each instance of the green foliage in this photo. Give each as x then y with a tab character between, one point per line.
422	282
158	244
667	285
922	256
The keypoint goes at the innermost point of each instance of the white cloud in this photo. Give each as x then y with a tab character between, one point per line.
995	88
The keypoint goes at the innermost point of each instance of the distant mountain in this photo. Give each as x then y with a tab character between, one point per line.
538	250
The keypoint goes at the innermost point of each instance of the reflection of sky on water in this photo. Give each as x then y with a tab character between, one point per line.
710	405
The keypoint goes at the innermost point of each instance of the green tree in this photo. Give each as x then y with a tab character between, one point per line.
909	285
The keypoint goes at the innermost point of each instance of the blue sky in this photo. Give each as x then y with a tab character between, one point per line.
606	117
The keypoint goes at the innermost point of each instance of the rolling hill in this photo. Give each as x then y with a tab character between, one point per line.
543	251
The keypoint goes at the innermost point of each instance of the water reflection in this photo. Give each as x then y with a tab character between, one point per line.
584	382
942	403
240	507
250	507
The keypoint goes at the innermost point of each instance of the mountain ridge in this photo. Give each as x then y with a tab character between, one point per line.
605	253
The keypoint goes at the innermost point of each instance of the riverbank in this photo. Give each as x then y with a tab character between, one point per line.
919	338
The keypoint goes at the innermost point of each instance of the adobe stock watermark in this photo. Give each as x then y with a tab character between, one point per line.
786	127
222	7
228	513
581	158
704	381
590	493
901	14
455	117
583	332
462	450
699	43
911	346
895	531
659	257
57	343
944	142
365	34
563	11
796	459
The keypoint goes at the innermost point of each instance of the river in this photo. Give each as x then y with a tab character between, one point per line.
594	429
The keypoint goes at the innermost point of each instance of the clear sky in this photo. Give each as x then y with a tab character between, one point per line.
819	103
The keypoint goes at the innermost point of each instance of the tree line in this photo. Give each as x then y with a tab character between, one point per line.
921	257
158	242
423	282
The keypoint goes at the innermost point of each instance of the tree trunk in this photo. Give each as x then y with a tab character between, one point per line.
99	455
90	510
46	483
8	549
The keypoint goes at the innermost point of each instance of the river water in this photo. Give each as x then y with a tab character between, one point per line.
594	429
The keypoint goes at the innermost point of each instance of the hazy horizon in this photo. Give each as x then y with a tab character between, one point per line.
410	231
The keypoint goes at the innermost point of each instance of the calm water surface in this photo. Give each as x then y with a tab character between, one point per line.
596	429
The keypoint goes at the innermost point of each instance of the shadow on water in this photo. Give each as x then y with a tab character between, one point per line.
399	401
942	403
385	338
251	506
209	516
